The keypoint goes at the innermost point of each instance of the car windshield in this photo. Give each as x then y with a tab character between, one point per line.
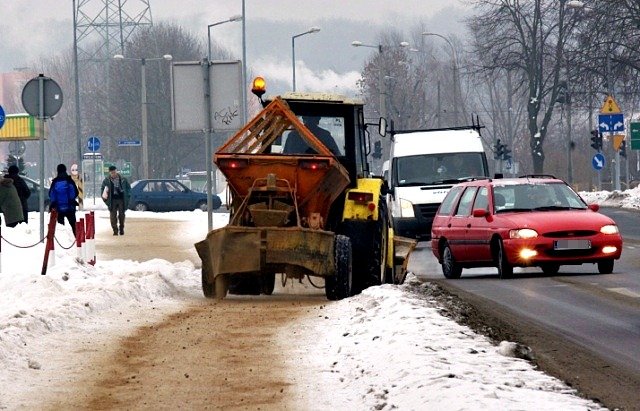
536	197
440	168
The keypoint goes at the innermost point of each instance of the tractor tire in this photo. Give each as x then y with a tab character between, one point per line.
339	285
267	283
208	287
221	286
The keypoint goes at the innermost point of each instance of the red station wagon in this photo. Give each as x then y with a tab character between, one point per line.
521	222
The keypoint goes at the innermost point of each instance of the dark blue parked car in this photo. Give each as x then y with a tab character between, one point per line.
33	202
168	195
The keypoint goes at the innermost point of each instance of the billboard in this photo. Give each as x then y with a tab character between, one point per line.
20	127
187	96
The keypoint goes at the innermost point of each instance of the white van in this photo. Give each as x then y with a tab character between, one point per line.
423	166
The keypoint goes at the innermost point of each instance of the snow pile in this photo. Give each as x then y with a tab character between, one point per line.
625	199
389	348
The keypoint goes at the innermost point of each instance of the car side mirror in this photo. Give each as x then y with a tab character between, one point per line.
594	207
480	212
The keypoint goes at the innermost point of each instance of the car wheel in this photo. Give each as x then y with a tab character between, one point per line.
550	269
450	268
605	266
202	205
141	207
505	270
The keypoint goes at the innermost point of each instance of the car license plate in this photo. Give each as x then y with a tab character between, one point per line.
572	245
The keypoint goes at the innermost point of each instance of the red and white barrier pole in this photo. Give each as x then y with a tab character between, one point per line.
51	232
91	238
80	239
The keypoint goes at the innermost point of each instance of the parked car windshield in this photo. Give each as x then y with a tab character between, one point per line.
440	168
539	197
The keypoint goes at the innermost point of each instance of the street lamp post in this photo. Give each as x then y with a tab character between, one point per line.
229	20
293	51
381	75
454	68
573	4
143	106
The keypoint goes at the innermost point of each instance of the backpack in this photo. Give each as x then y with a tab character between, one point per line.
64	196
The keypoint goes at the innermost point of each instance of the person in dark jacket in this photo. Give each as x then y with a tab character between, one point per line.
116	192
62	197
10	203
21	187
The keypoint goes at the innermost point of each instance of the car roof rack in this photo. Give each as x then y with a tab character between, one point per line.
538	176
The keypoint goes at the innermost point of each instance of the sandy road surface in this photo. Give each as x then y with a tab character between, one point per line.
234	354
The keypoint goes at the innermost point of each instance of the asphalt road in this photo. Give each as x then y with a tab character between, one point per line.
598	314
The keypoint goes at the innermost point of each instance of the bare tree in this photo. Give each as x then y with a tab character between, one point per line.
530	37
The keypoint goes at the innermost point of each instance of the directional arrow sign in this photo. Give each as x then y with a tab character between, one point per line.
610	123
598	161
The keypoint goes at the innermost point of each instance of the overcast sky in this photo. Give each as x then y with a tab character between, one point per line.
33	28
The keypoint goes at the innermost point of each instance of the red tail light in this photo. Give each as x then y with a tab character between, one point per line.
314	164
233	163
360	197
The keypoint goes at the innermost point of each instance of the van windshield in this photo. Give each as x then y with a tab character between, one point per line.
427	169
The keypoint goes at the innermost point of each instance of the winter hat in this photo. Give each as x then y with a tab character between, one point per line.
112	168
62	168
13	169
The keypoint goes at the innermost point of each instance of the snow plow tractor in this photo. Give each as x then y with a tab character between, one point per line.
302	203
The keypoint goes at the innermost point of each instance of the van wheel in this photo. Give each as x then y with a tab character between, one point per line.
208	287
267	283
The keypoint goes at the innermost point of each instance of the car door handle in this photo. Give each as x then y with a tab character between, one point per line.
469	225
449	225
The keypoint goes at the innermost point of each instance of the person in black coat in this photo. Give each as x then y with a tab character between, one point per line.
22	188
62	197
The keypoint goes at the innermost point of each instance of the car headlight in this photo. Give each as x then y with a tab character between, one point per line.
609	229
406	208
523	233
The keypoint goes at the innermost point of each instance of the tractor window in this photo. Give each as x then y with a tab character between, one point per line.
329	130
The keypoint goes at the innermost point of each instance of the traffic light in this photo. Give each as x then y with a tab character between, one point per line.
377	149
506	153
596	140
623	149
498	150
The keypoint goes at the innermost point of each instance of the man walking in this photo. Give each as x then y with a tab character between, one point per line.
62	197
115	193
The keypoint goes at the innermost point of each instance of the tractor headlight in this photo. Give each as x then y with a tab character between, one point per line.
609	229
406	208
523	233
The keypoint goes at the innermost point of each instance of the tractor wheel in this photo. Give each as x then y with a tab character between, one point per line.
339	285
378	266
221	286
267	283
208	287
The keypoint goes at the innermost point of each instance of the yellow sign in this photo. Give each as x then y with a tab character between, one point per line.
610	106
617	141
20	127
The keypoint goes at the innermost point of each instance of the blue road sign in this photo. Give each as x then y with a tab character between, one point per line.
611	123
125	143
93	143
2	117
598	161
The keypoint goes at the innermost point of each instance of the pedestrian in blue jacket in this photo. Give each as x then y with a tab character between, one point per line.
62	197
